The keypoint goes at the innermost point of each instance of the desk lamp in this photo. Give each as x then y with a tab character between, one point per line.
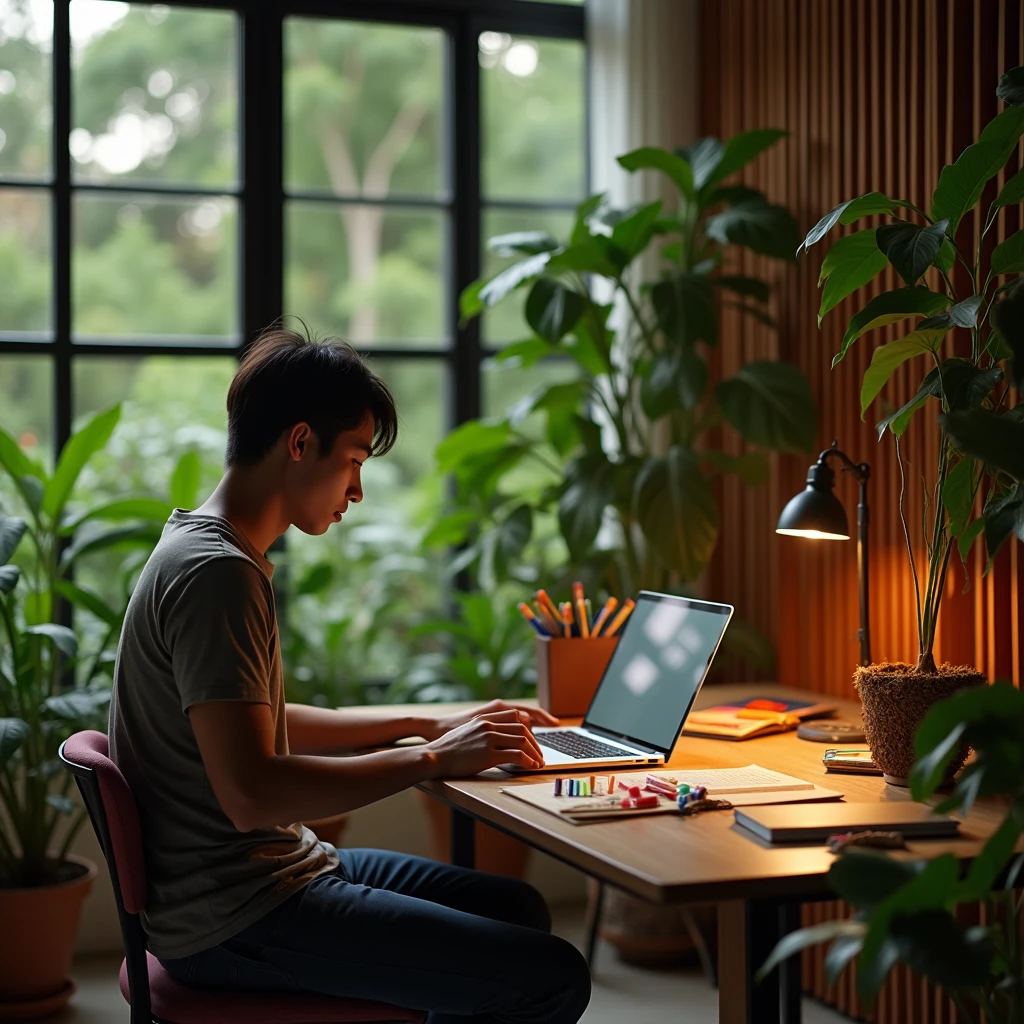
818	514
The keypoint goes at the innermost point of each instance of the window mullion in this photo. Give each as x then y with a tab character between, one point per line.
62	227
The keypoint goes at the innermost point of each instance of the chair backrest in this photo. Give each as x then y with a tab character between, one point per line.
115	819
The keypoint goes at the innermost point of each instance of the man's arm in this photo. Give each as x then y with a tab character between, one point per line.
257	788
313	730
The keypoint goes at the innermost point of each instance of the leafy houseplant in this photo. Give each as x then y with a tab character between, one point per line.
631	443
905	910
50	687
980	446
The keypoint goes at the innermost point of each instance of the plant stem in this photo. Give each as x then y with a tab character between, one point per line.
906	534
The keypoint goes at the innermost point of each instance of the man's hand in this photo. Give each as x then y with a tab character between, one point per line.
534	716
485	741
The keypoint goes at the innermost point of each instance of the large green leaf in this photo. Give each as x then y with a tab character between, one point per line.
847	213
1012	192
13	732
12	529
581	227
766	228
77	705
961	183
751	468
317	578
739	150
887	359
89	541
552	310
888	308
958	495
1008	256
651	158
81	446
867	879
588	492
909	248
963	314
998	440
933	945
61	637
89	600
676	509
1004	516
677	379
9	576
771	405
685	309
634	228
469	440
851	262
120	511
804	938
1011	86
703	156
986	868
15	461
522	243
184	490
1007	338
451	529
502	284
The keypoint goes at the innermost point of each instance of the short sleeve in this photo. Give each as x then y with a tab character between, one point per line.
219	631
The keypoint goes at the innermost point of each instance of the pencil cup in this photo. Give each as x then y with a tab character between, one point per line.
568	671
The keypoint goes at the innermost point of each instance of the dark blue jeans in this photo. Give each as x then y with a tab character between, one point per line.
464	945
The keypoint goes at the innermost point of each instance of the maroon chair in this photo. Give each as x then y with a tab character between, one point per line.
154	995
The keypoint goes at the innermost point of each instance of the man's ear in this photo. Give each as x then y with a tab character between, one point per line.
298	440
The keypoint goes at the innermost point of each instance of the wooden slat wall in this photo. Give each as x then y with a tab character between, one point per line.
878	94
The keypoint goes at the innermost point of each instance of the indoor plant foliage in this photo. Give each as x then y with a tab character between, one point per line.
52	686
630	444
957	337
905	910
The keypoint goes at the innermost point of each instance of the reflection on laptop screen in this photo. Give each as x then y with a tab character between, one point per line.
658	666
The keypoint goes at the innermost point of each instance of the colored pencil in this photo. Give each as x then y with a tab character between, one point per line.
620	618
602	616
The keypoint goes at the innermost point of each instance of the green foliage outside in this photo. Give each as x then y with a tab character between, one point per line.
982	439
155	101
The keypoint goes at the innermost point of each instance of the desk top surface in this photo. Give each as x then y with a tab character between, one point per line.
669	858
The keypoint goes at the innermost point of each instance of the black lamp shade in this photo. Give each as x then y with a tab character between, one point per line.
815	512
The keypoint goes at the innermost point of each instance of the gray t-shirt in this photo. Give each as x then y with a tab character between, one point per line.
201	626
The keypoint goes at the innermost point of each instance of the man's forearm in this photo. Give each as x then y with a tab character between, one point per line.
300	787
313	730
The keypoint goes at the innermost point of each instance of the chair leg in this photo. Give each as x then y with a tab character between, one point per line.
592	922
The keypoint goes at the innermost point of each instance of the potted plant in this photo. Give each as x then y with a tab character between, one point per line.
906	910
50	687
951	292
624	470
619	486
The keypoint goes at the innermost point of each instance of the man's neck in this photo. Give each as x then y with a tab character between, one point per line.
246	498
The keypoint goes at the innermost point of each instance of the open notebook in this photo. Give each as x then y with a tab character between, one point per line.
742	787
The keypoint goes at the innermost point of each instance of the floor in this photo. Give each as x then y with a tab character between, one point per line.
621	993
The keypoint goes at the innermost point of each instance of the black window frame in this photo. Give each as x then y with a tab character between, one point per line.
260	188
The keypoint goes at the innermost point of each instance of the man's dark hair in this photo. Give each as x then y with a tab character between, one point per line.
287	378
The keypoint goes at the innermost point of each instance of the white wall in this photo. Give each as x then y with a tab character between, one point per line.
397	823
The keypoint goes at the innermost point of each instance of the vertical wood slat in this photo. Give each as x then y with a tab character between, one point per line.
877	94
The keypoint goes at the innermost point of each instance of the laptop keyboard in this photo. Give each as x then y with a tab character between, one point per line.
575	745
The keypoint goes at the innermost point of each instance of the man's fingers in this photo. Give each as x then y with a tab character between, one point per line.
521	758
502	733
511	715
540	717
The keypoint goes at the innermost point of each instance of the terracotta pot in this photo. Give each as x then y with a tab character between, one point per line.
39	929
895	700
495	852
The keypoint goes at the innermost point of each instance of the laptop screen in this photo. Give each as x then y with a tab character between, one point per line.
661	659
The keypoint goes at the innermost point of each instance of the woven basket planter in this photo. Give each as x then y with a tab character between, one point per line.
895	700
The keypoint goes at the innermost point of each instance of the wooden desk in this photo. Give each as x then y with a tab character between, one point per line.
669	859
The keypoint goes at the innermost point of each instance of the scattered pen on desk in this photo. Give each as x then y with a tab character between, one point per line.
620	618
602	616
531	618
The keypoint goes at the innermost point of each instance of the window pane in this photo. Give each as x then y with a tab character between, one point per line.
26	113
353	628
371	274
506	322
505	384
155	91
25	270
533	117
363	108
26	407
147	266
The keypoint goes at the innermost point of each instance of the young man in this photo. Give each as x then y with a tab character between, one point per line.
221	766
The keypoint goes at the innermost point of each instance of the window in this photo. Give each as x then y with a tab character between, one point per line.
159	206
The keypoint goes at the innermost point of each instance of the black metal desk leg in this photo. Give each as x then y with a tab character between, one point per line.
463	847
777	997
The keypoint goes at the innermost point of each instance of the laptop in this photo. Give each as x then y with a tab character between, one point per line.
660	662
